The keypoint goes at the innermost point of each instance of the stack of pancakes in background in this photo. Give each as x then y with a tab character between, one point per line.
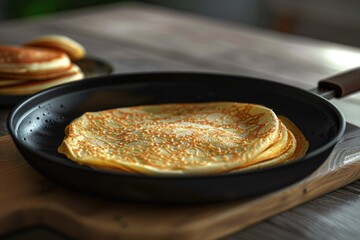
39	64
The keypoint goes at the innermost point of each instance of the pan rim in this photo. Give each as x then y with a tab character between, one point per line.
92	83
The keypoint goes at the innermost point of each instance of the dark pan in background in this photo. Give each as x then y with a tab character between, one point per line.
37	128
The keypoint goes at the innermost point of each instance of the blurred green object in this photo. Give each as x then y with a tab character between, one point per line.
31	8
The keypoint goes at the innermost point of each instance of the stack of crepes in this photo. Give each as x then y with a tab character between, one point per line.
183	139
39	64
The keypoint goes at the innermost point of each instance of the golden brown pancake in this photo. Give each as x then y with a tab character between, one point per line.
194	138
30	87
14	59
61	43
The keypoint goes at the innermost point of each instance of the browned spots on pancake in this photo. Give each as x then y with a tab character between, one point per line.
188	138
183	138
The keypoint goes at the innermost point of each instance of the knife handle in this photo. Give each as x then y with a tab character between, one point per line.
343	84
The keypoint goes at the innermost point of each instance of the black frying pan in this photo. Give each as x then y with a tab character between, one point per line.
37	128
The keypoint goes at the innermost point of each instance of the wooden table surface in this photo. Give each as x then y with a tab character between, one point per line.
138	38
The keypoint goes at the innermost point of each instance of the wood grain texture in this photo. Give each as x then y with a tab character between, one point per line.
333	216
200	39
216	45
33	200
239	50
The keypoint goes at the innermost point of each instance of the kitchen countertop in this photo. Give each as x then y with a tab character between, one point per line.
145	38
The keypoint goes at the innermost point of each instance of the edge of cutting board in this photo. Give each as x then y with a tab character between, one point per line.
32	200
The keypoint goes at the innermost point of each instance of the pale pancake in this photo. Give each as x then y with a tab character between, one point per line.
288	153
30	87
194	138
59	42
296	151
302	144
41	75
279	147
9	82
15	59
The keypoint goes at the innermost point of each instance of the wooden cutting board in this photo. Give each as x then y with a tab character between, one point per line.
28	199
